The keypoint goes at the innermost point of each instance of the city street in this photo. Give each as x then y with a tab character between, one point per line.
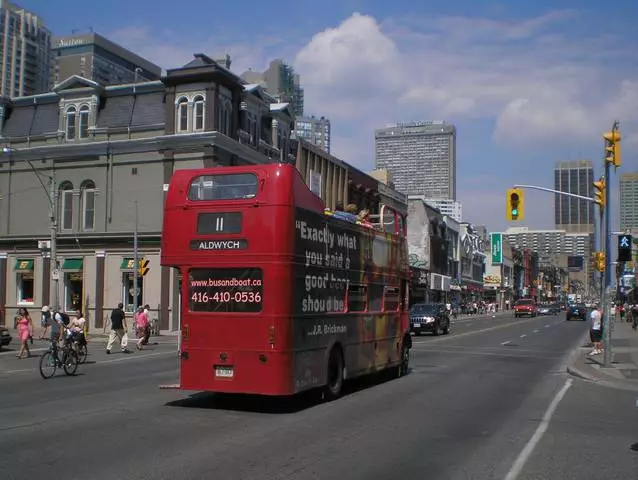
489	401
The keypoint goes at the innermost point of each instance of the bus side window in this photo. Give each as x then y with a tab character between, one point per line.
405	301
391	299
357	298
400	229
375	299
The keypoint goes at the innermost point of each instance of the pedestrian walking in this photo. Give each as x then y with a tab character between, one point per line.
142	326
118	329
25	330
634	316
596	330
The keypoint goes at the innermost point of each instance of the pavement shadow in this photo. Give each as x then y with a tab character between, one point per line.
276	405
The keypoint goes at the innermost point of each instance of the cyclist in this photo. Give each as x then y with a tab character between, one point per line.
56	321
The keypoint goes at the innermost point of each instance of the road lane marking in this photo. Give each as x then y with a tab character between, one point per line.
524	335
474	332
505	342
15	352
527	451
547	326
535	331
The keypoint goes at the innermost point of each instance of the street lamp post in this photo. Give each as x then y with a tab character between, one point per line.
54	290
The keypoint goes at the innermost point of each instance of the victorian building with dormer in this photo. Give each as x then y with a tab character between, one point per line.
100	159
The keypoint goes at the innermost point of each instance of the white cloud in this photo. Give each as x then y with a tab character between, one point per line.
527	75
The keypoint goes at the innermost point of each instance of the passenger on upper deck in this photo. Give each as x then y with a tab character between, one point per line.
364	218
350	214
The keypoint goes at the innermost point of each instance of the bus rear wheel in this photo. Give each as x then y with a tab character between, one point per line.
404	366
334	374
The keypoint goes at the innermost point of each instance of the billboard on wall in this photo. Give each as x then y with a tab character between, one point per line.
575	263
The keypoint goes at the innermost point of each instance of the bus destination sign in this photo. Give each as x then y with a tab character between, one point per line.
226	244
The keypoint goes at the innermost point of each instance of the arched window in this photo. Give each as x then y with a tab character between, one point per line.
198	112
182	114
87	206
70	123
84	121
66	206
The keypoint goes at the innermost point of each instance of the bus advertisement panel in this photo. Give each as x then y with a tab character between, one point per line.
346	291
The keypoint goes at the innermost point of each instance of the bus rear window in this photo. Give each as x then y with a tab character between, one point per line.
225	290
233	186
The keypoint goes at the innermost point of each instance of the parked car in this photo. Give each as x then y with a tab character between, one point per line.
429	317
549	309
5	337
577	312
525	306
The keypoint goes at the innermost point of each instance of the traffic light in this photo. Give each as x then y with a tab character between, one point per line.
624	248
599	261
612	147
515	204
599	192
143	267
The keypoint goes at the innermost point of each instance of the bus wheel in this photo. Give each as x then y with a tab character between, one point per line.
402	368
335	375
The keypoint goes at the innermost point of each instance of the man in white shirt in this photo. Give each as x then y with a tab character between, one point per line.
596	330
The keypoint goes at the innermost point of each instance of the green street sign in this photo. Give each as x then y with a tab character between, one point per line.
496	239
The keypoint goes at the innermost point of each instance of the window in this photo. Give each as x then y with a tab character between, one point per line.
357	298
66	206
228	112
25	283
232	186
182	114
88	206
70	123
129	292
198	112
84	122
73	287
376	297
391	299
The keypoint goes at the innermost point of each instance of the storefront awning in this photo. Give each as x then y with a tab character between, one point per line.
23	265
73	264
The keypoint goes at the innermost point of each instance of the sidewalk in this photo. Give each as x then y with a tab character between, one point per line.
623	372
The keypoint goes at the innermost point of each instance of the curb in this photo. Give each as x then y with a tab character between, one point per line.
618	385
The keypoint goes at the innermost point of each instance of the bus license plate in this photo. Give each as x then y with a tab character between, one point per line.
224	372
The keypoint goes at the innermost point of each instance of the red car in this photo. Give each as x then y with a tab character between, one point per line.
526	306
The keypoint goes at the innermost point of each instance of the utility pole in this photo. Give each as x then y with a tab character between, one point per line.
54	272
612	156
136	267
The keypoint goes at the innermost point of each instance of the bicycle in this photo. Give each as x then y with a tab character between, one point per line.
51	359
78	343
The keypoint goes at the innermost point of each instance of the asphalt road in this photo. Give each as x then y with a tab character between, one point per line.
468	410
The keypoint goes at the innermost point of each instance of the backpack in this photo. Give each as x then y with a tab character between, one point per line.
65	318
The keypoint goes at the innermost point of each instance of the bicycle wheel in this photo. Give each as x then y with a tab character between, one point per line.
70	362
83	352
48	364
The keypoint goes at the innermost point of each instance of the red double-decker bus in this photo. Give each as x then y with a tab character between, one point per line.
279	296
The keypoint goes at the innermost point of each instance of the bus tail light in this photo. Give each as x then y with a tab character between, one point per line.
185	332
271	336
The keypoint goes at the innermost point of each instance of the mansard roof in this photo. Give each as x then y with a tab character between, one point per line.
120	106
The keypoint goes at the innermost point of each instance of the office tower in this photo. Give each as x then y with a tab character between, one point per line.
25	52
421	156
314	130
629	201
280	81
96	58
572	214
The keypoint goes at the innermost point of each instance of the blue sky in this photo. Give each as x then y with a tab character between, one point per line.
526	83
